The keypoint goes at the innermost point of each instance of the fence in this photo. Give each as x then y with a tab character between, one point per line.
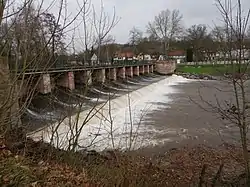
58	65
213	63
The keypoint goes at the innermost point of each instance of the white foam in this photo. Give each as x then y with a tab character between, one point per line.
124	115
47	116
64	104
90	98
104	93
135	83
125	86
117	89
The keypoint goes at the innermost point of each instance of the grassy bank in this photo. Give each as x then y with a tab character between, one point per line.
216	70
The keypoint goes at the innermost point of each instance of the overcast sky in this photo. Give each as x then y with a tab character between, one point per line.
139	12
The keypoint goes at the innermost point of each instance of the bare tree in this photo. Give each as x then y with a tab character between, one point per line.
7	11
106	45
2	8
219	37
199	40
166	26
103	24
87	30
28	38
236	112
136	36
35	36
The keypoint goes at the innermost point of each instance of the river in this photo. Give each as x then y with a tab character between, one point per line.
170	112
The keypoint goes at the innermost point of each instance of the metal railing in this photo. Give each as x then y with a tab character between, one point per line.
214	63
74	65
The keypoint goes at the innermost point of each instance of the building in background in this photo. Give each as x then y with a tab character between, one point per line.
124	55
178	55
142	56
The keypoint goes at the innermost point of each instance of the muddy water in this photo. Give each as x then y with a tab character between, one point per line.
192	117
181	112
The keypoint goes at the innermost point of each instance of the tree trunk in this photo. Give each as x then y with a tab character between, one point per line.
2	6
9	107
165	48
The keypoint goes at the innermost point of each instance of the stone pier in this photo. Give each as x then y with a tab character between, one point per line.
146	69
129	71
99	75
141	70
151	68
136	71
83	77
44	84
165	67
67	80
111	74
121	72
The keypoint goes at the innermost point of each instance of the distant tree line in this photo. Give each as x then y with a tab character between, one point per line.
166	32
36	38
40	33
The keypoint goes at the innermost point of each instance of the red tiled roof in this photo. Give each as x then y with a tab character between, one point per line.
176	53
125	54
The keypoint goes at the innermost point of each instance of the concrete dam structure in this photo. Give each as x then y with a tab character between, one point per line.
55	95
165	67
113	115
46	81
68	79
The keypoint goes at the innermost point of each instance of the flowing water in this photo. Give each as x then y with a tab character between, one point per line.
119	122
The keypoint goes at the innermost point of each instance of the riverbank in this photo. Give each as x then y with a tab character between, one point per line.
196	140
38	164
210	69
198	76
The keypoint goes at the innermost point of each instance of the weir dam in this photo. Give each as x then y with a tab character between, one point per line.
61	102
97	108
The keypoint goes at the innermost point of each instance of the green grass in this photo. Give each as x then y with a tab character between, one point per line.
217	70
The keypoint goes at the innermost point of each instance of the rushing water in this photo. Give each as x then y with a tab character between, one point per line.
118	122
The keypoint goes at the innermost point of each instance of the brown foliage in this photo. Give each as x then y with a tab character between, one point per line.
39	164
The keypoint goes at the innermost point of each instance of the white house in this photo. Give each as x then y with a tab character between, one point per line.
161	57
147	57
144	57
94	59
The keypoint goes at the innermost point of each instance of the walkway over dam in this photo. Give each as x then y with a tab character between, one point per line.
78	67
44	80
25	82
